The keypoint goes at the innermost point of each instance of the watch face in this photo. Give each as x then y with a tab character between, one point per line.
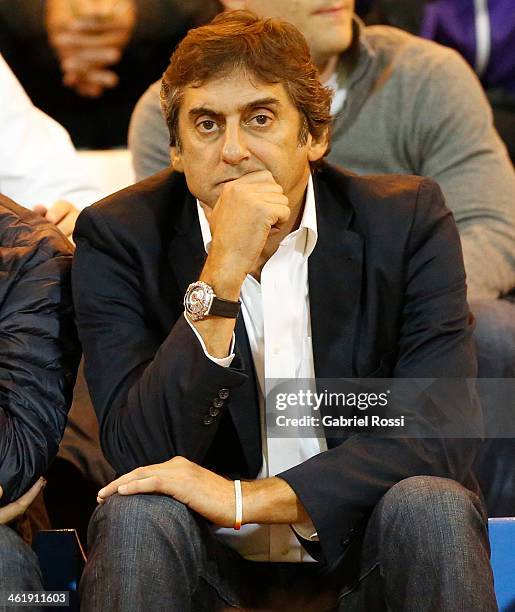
197	300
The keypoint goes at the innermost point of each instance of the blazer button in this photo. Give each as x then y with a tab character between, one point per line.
223	394
217	402
207	420
214	412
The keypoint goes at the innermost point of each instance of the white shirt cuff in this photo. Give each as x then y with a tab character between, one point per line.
306	531
225	362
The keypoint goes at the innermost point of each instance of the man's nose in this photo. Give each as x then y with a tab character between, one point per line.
234	148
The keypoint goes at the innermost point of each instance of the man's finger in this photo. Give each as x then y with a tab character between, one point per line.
67	224
18	507
152	484
67	40
100	78
86	89
137	474
58	210
84	59
280	213
258	176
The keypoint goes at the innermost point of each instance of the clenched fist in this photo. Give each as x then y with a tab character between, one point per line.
247	223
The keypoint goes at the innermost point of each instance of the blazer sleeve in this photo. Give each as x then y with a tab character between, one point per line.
340	487
152	395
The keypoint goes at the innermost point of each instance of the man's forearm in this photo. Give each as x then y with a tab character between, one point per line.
217	331
271	501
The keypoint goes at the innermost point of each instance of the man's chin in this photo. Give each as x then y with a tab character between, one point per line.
336	42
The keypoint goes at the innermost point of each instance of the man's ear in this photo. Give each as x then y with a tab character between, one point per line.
176	159
233	5
317	147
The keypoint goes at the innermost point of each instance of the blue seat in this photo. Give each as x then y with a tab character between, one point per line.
502	542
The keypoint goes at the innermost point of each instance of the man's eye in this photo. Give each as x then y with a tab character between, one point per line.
207	125
260	120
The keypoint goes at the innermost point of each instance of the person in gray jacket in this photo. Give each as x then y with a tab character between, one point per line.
404	105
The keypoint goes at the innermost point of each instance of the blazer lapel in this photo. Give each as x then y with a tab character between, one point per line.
335	283
186	253
335	280
245	407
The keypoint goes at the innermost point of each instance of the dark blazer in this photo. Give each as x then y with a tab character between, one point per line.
387	297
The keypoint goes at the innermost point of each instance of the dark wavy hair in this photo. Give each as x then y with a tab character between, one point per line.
271	50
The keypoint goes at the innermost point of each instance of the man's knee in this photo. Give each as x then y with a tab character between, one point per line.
141	546
432	508
133	520
18	562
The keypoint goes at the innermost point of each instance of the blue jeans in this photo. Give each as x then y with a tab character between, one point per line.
19	567
425	548
495	338
495	462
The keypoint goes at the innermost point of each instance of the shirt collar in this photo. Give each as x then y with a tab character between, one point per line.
308	223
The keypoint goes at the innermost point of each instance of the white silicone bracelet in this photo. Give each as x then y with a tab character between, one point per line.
239	504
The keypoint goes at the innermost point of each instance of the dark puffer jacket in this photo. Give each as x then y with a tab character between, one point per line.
39	349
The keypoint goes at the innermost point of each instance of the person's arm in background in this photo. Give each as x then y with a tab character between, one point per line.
452	139
39	349
90	37
39	167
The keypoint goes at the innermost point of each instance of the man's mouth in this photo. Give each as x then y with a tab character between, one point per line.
333	10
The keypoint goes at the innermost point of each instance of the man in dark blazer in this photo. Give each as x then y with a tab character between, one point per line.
337	276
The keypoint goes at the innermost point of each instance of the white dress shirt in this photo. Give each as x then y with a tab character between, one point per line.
38	163
277	320
339	94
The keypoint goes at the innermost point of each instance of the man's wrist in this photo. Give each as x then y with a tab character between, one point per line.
271	501
219	274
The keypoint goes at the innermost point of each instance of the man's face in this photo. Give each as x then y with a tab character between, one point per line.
326	24
234	125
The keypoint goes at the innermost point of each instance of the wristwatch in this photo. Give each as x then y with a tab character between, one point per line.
200	301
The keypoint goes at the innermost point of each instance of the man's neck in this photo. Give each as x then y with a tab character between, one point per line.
328	68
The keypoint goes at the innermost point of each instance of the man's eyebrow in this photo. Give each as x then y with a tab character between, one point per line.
197	111
202	110
261	102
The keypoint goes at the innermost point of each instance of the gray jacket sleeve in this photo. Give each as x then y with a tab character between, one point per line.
456	144
148	135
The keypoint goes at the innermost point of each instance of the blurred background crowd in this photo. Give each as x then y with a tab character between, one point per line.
86	62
